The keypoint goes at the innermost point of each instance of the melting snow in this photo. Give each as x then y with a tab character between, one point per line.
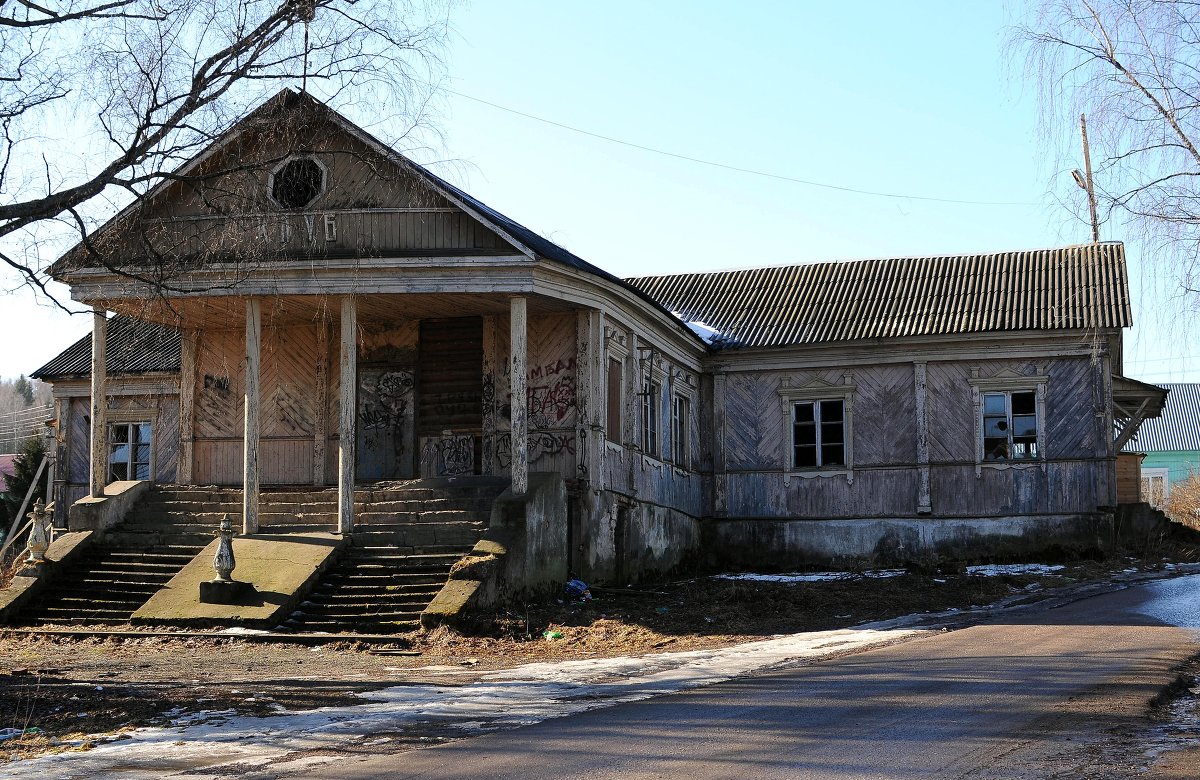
513	697
704	331
819	576
997	569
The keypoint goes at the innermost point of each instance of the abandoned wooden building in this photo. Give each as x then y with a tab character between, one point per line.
329	314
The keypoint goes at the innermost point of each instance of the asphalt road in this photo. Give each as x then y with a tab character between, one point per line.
1016	698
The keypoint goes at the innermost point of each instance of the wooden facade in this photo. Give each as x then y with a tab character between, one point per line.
398	329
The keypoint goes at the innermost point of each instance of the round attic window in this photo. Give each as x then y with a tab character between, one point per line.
297	183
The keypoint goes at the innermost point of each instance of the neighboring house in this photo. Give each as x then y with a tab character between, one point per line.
7	469
1171	443
344	315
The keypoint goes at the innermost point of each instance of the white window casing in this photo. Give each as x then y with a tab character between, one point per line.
813	393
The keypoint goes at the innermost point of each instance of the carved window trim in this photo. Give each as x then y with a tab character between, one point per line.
819	390
682	389
1009	383
616	350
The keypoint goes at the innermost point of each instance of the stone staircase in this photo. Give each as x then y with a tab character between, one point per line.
403	546
406	540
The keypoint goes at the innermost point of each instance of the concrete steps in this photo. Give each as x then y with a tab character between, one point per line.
403	546
407	537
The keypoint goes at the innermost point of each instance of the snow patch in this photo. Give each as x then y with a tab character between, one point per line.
217	742
819	576
1002	569
710	334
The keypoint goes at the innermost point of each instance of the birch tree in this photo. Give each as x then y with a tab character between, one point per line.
1133	68
101	100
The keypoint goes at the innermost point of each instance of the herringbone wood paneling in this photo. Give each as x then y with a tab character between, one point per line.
884	416
1072	426
951	413
288	382
755	426
219	384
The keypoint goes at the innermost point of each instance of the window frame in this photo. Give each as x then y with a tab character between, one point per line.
651	417
1008	383
681	429
616	350
130	462
310	206
818	423
819	390
1146	479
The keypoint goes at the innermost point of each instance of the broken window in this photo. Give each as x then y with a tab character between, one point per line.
651	393
1010	425
819	433
128	451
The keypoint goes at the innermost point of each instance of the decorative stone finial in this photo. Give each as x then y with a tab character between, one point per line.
223	561
39	534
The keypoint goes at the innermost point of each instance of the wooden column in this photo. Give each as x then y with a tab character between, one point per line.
321	426
98	470
188	344
921	389
518	376
250	441
720	477
346	431
62	474
589	395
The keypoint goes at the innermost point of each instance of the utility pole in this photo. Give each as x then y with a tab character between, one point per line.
1091	191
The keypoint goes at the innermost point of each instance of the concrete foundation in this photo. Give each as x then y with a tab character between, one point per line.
789	543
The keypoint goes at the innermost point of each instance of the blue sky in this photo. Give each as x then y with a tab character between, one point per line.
918	100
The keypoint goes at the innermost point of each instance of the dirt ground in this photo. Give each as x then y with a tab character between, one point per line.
61	692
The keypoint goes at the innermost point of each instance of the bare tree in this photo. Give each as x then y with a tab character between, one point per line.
1133	67
102	100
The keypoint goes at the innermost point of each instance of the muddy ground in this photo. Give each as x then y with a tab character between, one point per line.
59	692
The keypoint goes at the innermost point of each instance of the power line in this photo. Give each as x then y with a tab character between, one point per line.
726	166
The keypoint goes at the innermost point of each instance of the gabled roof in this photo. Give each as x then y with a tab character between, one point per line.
1179	426
133	347
524	239
1078	287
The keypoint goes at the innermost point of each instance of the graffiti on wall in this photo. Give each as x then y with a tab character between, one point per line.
542	444
385	423
447	456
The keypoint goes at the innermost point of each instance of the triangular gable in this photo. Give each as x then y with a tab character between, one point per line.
374	201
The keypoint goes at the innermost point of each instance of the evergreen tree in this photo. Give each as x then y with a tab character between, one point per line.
25	466
24	389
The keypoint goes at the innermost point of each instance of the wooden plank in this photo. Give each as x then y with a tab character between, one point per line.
346	407
321	407
518	373
921	393
187	403
250	477
98	471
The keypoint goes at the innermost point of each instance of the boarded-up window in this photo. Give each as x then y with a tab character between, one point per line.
615	379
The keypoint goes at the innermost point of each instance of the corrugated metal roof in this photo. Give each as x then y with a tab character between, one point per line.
1047	289
1178	428
134	347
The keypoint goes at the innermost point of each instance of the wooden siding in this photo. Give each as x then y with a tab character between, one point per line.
162	411
550	395
288	415
1075	477
370	207
1129	478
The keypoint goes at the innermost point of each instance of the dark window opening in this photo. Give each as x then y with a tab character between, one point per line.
298	183
818	434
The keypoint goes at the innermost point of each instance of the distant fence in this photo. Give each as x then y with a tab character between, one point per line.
16	427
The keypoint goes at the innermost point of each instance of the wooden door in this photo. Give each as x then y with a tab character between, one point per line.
450	395
386	436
